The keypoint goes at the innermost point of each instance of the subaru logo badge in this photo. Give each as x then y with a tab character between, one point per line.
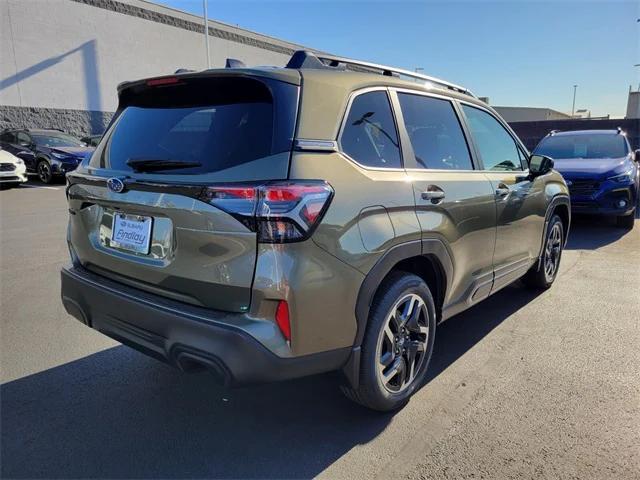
569	183
115	185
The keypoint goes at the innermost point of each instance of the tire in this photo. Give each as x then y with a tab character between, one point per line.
44	172
543	273
626	221
411	345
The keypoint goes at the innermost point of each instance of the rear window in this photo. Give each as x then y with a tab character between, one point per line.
597	145
208	124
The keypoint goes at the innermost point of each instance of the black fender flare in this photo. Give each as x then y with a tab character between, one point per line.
432	247
560	199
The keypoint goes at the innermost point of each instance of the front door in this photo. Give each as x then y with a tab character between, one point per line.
454	200
519	200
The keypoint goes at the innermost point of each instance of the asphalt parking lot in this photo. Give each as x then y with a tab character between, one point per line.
523	385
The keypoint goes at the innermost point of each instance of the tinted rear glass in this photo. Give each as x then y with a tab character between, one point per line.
218	123
597	145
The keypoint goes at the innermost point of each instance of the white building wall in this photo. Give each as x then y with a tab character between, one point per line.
63	54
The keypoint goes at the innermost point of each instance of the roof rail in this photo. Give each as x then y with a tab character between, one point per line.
306	59
553	132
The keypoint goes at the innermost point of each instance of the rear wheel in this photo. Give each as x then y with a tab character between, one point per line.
544	272
397	345
44	171
626	221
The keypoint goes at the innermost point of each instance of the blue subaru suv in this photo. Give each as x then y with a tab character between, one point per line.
601	171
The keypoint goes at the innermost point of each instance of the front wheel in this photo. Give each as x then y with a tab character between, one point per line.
44	172
544	272
397	345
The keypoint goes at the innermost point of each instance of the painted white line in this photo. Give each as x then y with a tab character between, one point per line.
40	186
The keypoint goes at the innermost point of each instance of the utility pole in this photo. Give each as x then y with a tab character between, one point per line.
573	108
206	31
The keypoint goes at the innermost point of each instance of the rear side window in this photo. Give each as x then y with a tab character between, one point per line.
497	148
435	133
369	135
210	124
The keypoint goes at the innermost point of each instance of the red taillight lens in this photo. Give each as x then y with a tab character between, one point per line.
279	211
282	319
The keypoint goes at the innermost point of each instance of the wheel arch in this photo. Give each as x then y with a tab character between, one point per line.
561	205
428	258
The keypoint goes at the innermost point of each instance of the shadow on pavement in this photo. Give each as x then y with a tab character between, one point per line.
119	414
590	232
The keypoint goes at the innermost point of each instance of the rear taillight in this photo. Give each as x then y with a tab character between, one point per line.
279	212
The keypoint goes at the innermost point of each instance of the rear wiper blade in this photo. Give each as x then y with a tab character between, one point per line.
151	164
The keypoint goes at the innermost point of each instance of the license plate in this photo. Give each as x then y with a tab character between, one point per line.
131	232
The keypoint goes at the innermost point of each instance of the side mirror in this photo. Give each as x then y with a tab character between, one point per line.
539	165
636	156
25	144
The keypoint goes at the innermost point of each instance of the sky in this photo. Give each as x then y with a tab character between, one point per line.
518	53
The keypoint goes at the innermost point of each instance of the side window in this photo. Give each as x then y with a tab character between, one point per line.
497	148
8	137
369	135
23	138
435	133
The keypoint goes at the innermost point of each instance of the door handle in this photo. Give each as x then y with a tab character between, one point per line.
433	193
502	190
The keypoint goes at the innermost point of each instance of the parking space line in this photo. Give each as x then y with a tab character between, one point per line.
40	186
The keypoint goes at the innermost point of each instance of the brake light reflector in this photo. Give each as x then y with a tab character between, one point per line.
282	319
278	211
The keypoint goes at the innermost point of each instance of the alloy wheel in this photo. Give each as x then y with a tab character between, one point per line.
44	172
402	343
552	251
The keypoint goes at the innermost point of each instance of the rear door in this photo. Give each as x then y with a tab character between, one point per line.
454	201
520	201
142	213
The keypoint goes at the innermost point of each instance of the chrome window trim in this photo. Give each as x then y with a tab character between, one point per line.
352	96
505	125
461	121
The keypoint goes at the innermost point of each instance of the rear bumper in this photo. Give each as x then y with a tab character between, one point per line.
184	337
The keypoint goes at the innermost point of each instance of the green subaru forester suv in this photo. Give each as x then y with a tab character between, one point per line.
272	223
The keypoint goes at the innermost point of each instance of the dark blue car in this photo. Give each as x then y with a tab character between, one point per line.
601	171
49	153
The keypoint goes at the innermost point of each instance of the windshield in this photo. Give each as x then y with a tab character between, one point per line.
56	140
600	145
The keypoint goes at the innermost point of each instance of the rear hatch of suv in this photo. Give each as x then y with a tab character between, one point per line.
165	202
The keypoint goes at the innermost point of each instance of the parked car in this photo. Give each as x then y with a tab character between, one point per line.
600	169
91	140
12	170
271	223
49	153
